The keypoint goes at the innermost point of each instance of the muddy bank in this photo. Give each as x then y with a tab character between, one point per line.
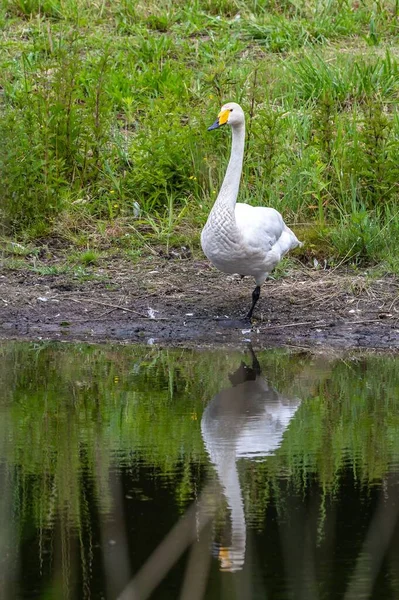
187	302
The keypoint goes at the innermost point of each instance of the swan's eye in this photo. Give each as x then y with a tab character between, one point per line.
231	110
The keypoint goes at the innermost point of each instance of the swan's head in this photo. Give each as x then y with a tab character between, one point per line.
230	114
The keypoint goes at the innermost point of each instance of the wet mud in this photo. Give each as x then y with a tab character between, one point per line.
188	303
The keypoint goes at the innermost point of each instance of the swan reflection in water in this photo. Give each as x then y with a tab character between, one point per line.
247	420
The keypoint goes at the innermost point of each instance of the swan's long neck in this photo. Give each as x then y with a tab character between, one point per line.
221	447
229	191
232	489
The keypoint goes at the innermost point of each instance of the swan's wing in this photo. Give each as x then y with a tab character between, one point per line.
263	228
262	435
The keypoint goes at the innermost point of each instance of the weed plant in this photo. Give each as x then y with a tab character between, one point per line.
104	109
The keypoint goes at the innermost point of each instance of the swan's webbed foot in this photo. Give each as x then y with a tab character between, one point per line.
255	298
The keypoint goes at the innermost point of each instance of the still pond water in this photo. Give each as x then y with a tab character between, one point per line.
274	480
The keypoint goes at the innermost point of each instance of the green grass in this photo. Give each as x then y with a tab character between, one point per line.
86	258
104	109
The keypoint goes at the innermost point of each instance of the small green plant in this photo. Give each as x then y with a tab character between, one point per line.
366	237
278	34
380	169
324	125
265	150
10	248
41	269
87	258
29	8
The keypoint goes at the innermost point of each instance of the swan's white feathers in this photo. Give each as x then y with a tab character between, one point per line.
240	238
263	230
261	240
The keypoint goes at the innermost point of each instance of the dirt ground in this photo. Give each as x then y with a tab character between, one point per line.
186	302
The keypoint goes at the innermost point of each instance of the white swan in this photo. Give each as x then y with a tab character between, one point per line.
248	421
240	238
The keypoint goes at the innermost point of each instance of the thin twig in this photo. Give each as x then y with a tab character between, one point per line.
114	306
297	325
323	324
393	302
251	112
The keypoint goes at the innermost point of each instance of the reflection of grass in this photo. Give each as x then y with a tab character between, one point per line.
87	408
351	418
151	401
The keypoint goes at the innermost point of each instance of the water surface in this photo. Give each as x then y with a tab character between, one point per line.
279	473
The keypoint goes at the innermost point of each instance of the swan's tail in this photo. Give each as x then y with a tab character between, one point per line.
288	241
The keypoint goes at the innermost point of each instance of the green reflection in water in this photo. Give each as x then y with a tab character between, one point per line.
76	414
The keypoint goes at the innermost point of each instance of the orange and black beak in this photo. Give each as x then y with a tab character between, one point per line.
221	120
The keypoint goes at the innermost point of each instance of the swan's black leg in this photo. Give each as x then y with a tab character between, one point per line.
255	298
255	362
